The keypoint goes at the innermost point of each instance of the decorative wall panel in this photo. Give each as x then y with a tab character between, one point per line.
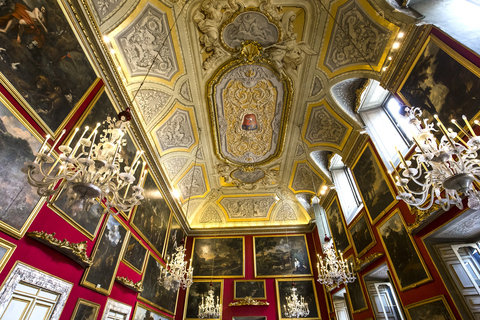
252	207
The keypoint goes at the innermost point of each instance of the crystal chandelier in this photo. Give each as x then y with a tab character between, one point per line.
295	307
91	170
175	275
208	308
334	271
451	164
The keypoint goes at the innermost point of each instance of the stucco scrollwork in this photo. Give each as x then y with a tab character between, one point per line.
253	207
193	183
285	213
173	166
210	215
323	127
151	103
176	132
305	179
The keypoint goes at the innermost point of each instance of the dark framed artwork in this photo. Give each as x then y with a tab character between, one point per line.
19	202
85	309
249	288
362	235
305	288
46	70
433	308
440	81
405	260
198	289
106	256
151	218
87	222
143	312
6	251
153	293
336	222
372	184
175	236
218	257
356	295
135	254
281	256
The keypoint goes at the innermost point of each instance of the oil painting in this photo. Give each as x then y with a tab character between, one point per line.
106	257
43	60
305	288
337	226
249	288
142	312
151	218
281	256
405	260
175	237
19	202
135	254
85	310
362	235
218	257
442	82
372	184
6	251
355	293
155	294
195	293
433	308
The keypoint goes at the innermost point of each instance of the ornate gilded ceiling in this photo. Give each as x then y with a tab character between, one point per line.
245	100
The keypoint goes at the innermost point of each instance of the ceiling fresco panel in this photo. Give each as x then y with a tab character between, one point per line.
247	208
193	184
304	177
104	9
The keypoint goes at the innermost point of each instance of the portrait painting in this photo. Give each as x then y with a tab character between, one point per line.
305	288
249	288
218	257
135	254
195	293
85	310
434	308
42	60
151	218
405	260
356	293
281	256
175	237
362	235
6	251
337	225
442	82
19	202
87	222
155	294
372	184
142	312
106	257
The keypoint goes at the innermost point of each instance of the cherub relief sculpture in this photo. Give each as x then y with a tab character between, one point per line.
289	54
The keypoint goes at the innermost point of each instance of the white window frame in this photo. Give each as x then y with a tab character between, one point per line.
475	246
117	306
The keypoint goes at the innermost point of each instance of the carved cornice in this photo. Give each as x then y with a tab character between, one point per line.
253	230
358	94
421	216
354	147
137	287
361	264
75	251
248	301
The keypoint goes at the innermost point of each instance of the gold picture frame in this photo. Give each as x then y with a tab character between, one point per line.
397	228
80	302
198	288
139	306
353	287
375	162
9	249
437	299
134	268
283	286
335	235
236	295
353	225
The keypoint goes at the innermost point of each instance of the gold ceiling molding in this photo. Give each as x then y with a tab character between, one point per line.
324	127
302	178
368	31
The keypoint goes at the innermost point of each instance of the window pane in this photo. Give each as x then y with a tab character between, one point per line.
40	312
16	309
394	108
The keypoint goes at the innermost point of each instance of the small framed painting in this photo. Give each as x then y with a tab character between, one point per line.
85	309
135	254
143	312
433	308
362	235
249	288
6	251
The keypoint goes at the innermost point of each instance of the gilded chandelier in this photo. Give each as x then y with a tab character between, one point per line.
334	271
91	170
450	164
208	308
175	275
296	307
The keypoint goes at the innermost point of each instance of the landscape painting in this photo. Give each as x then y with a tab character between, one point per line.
372	184
337	226
442	82
106	257
142	312
195	293
155	294
19	202
135	254
218	257
355	293
433	308
305	288
249	288
175	237
151	218
85	310
362	235
409	268
281	256
42	60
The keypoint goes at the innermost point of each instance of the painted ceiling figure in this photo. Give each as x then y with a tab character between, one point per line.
32	22
249	122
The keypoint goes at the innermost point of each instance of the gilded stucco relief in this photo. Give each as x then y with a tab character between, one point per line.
151	102
194	183
104	9
317	86
210	215
254	207
285	213
305	179
174	165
